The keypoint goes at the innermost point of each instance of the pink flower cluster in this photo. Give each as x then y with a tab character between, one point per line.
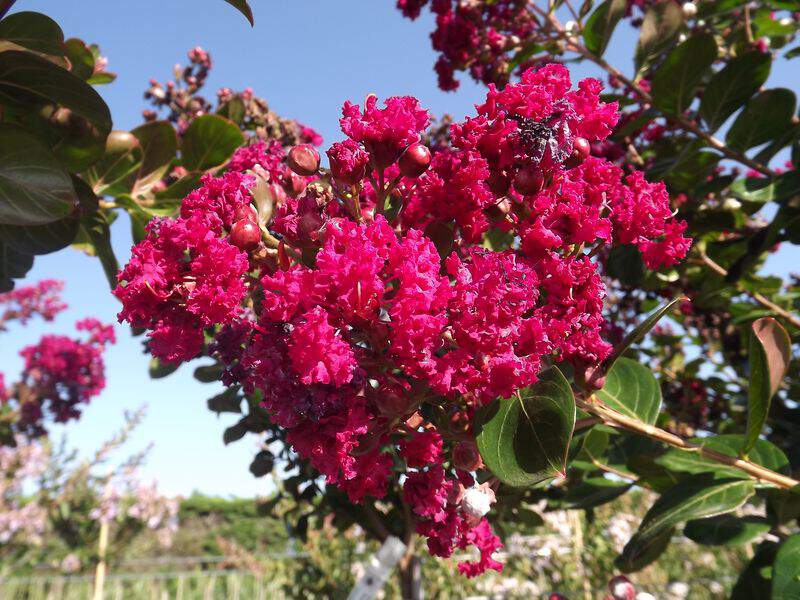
479	37
22	304
400	282
60	374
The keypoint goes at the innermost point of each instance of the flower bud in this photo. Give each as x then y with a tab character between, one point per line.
499	183
415	160
528	180
466	456
580	152
245	234
556	596
477	502
293	184
689	9
246	212
621	588
303	160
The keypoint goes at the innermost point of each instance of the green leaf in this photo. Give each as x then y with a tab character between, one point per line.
243	7
262	463
675	82
765	189
625	263
642	329
40	239
208	373
751	583
33	31
80	58
34	189
234	432
114	173
601	24
734	85
158	369
632	390
765	117
649	551
661	25
697	497
786	570
524	53
209	142
26	78
228	401
593	492
524	439
726	530
770	353
13	265
159	144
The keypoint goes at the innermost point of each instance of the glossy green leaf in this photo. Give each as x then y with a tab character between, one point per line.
765	189
675	82
726	530
648	552
40	239
159	145
209	142
27	79
631	389
34	189
94	238
115	173
243	7
660	27
601	24
786	570
734	85
33	31
765	117
696	497
625	264
769	356
524	439
80	58
13	265
642	329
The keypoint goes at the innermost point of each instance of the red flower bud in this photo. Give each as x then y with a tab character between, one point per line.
246	212
303	160
415	160
466	456
245	234
528	180
581	148
499	183
293	184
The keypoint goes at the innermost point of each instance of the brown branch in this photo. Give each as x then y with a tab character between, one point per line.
617	420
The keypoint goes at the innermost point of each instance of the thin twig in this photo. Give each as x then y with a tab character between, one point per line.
617	420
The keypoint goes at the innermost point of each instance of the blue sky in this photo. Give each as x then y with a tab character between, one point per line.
305	57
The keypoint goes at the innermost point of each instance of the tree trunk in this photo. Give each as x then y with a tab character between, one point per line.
409	570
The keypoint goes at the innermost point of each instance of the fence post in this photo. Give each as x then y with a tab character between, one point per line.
100	572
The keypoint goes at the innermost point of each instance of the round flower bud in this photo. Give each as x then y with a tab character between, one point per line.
293	184
621	588
689	9
556	596
246	212
415	160
581	148
245	234
528	180
466	456
476	502
499	183
303	160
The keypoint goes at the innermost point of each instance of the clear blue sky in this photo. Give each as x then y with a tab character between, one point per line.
305	57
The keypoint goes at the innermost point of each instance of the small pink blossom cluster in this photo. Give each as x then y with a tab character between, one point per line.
373	310
61	373
24	303
20	466
479	37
